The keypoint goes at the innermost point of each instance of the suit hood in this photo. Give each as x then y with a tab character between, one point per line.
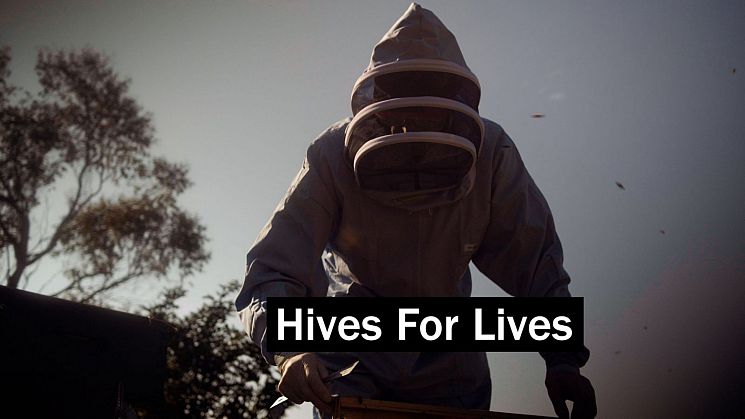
418	34
416	76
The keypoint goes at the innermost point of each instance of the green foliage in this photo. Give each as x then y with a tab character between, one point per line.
120	221
214	371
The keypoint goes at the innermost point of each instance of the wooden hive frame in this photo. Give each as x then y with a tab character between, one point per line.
359	408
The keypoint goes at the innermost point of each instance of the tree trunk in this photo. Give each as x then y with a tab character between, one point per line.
15	278
21	254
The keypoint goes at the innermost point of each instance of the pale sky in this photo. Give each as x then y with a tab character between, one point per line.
641	92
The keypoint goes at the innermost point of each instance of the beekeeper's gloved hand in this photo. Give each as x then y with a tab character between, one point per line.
302	380
569	384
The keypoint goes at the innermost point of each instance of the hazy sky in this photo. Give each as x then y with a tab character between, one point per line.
641	92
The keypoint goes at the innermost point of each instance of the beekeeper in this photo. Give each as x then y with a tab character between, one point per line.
396	201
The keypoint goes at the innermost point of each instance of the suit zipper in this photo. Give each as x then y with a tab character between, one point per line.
421	261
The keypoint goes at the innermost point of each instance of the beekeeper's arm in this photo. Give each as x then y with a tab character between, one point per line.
521	253
285	262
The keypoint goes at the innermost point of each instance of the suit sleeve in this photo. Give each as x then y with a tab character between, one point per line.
285	260
521	251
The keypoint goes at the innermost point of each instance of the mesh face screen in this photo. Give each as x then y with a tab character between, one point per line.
416	83
413	119
413	166
427	102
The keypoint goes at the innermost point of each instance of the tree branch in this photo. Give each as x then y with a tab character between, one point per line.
5	185
7	272
111	285
20	251
12	203
10	236
75	206
43	228
72	285
48	281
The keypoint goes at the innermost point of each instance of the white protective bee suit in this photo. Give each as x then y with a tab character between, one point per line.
383	209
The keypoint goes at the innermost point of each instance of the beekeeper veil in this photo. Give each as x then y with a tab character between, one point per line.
416	132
